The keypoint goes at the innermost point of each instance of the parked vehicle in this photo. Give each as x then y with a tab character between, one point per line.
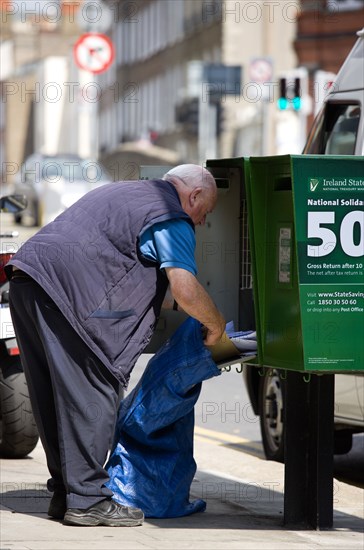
337	130
18	432
52	183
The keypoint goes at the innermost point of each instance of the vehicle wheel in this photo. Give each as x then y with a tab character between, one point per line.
18	432
343	441
271	406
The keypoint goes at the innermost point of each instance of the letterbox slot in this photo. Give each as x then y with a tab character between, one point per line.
283	184
223	183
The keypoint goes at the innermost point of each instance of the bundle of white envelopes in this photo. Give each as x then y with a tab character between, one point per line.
244	341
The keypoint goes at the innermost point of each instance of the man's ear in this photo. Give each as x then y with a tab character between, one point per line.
195	195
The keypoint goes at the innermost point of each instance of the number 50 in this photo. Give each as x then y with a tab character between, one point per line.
315	220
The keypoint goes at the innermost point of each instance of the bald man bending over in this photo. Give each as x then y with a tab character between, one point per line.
85	295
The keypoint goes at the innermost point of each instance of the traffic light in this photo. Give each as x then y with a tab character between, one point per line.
187	114
282	100
290	93
220	114
296	100
193	116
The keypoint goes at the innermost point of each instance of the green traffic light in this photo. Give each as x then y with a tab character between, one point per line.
282	103
296	102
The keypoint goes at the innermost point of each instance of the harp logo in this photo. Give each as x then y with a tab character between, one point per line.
313	184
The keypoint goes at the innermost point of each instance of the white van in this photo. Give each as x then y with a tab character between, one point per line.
339	127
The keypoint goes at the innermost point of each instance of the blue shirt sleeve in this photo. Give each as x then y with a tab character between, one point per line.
171	243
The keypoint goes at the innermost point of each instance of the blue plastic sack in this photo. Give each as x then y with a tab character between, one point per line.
151	465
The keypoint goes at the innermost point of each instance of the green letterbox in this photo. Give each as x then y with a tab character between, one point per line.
306	225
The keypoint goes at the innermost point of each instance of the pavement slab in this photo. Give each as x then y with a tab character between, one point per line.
245	503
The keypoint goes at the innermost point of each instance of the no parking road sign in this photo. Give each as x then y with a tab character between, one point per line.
94	52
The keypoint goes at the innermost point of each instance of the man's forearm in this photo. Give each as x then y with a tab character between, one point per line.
196	302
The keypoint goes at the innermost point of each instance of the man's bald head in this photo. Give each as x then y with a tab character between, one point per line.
196	188
193	175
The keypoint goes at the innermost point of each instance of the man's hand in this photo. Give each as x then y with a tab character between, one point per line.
195	301
213	336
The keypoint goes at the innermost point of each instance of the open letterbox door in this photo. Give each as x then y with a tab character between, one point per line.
222	251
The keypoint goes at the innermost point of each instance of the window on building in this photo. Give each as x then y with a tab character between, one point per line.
160	24
119	46
164	23
158	28
144	112
126	42
145	42
135	44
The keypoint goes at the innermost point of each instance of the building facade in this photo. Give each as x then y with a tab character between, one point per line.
326	32
41	97
165	49
191	79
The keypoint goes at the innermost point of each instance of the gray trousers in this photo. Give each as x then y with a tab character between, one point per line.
74	396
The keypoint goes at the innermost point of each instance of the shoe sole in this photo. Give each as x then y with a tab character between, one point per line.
94	521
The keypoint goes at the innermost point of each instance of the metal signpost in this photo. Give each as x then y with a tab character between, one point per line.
261	72
94	53
94	16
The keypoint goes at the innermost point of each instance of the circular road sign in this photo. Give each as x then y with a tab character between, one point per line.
261	70
94	52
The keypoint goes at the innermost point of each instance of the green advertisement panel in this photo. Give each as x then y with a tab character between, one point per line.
328	195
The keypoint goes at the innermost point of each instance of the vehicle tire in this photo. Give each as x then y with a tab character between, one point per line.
18	432
271	407
343	441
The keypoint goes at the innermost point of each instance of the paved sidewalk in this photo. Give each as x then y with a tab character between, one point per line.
244	496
